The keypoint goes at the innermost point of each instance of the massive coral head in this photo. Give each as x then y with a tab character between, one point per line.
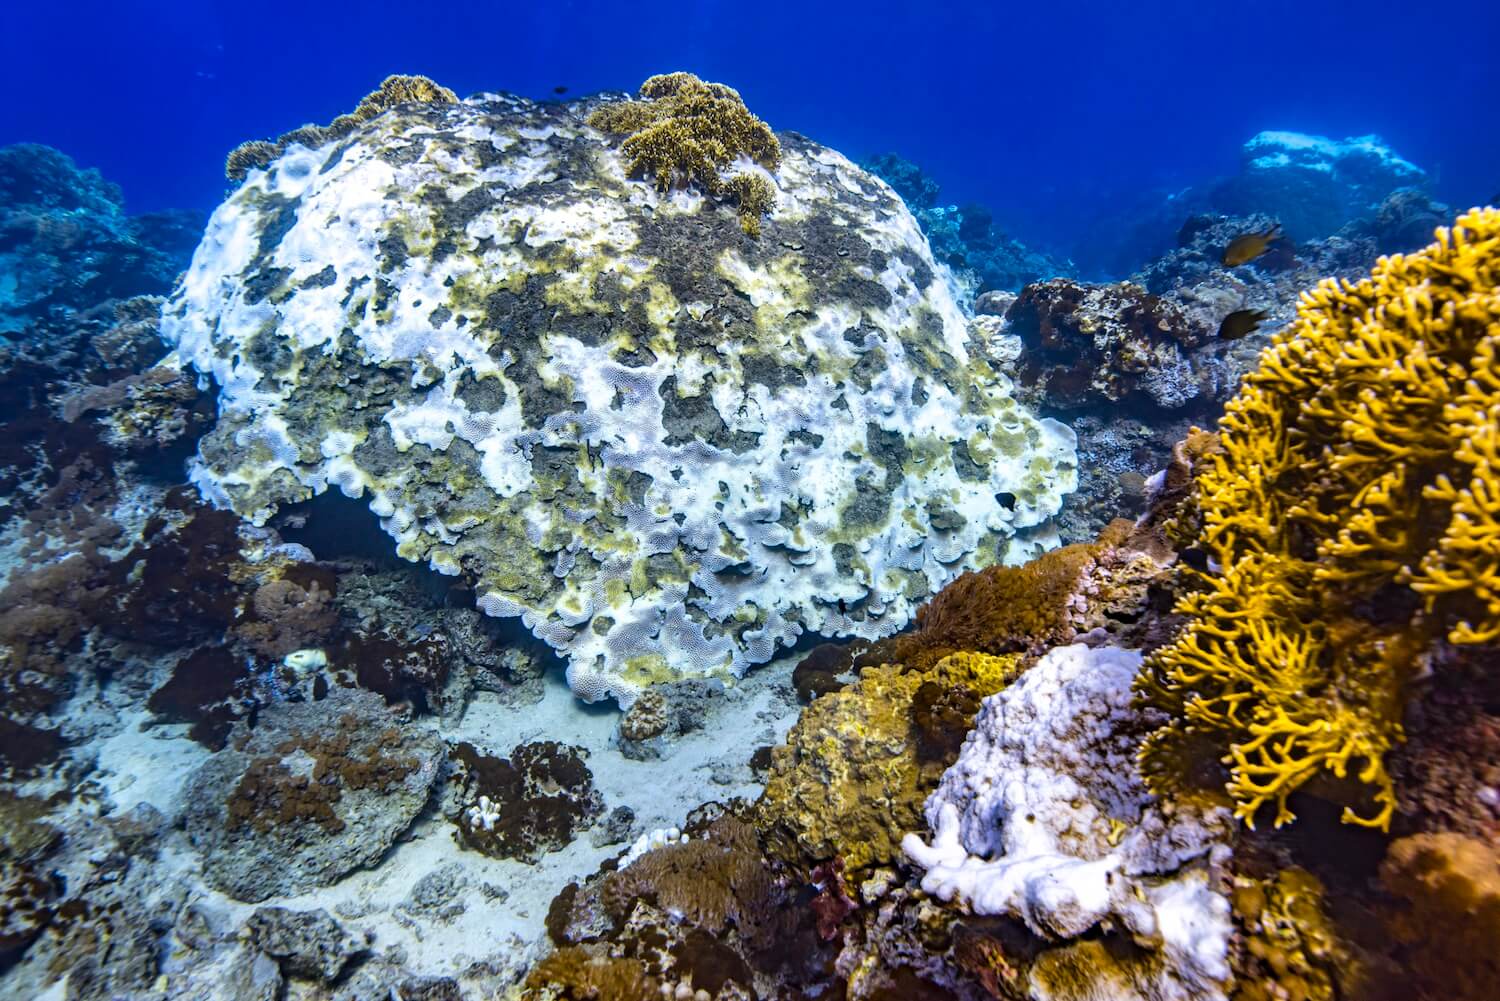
1352	518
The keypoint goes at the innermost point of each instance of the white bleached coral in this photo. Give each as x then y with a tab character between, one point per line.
668	448
485	813
1044	818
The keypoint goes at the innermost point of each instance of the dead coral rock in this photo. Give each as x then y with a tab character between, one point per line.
1447	774
1101	344
27	906
646	717
110	905
307	944
534	802
209	688
1449	932
397	641
314	791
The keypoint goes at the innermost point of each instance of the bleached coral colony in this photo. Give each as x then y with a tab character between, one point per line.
665	444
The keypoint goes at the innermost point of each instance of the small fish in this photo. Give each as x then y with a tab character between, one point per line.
1195	558
559	90
1248	247
1241	322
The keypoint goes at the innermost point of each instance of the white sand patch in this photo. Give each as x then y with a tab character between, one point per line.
502	903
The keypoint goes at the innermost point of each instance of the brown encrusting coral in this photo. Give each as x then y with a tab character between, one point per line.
285	616
685	131
394	90
524	806
1050	601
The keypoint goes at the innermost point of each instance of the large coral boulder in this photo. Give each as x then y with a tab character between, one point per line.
667	445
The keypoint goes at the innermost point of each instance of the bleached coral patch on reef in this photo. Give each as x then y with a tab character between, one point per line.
667	446
1044	818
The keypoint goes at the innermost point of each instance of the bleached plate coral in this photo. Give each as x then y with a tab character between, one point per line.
666	445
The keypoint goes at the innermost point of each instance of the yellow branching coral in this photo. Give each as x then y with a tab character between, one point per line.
1353	518
686	131
393	90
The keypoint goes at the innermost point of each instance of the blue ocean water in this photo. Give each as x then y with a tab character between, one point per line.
1055	115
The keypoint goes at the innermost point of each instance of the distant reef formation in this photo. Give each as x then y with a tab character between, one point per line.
66	243
965	237
563	365
1316	187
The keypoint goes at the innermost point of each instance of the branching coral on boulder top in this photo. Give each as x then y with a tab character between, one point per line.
393	90
1352	519
686	131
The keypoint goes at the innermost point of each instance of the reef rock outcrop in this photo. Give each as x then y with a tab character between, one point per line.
667	445
314	791
1103	344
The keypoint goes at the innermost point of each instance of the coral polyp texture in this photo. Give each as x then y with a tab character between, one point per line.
1352	521
667	448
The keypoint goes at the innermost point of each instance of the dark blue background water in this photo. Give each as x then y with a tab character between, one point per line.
1050	112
